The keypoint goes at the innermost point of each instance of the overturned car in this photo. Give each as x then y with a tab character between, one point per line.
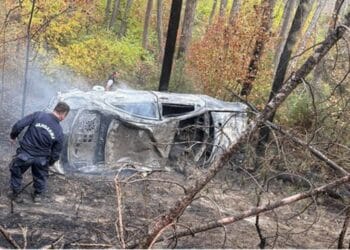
106	131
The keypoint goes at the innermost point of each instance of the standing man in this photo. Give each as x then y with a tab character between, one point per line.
112	79
39	148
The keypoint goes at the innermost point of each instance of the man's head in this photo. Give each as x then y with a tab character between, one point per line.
61	110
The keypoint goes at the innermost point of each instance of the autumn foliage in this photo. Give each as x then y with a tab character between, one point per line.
220	60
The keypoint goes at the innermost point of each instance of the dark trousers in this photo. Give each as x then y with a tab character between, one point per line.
40	172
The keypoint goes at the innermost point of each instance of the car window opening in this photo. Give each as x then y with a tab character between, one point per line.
171	109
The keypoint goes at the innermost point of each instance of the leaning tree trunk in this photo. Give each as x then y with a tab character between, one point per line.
236	5
114	14
197	184
28	41
287	14
282	67
187	25
160	29
262	38
124	24
146	23
173	26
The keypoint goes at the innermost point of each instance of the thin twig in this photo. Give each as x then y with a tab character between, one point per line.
8	237
120	227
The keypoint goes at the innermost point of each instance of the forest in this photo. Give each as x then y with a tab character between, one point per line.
285	182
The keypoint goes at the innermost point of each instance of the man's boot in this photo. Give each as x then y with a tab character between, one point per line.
37	198
16	197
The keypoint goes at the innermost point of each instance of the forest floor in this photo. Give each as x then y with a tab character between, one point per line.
81	212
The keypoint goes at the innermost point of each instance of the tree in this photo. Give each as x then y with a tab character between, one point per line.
263	36
124	24
187	25
236	4
114	14
173	26
337	7
146	23
212	13
315	17
160	28
279	77
28	46
222	10
107	11
286	19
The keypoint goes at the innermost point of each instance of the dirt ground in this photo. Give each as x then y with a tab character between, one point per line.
82	211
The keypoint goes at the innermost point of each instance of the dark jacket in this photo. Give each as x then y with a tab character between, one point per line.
44	136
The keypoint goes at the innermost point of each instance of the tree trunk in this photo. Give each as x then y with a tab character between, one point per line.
114	13
212	13
287	15
124	24
222	10
319	69
236	5
28	41
195	186
187	25
310	28
174	20
282	67
262	38
107	10
146	23
4	57
160	28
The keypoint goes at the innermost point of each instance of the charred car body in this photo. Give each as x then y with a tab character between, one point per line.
108	130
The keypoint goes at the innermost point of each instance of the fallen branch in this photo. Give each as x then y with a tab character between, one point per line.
259	209
90	245
120	226
196	185
8	237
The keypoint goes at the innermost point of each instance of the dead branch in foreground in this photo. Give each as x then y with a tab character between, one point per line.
256	210
8	237
263	208
196	185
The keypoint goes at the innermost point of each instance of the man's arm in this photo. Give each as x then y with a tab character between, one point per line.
20	125
56	151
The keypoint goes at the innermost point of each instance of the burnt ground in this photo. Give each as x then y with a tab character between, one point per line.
81	211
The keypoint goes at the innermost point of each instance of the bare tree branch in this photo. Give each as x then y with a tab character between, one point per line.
263	208
8	237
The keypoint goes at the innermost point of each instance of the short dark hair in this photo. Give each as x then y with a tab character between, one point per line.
62	107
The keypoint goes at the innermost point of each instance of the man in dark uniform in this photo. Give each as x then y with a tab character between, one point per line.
39	148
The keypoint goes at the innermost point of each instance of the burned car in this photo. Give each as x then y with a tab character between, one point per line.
106	130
